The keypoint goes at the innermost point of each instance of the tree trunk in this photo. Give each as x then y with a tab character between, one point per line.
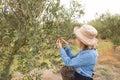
5	75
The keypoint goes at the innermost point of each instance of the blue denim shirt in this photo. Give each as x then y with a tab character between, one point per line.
83	62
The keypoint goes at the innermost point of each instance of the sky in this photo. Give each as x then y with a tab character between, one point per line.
96	6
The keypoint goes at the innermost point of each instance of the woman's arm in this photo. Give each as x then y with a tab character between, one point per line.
68	51
79	60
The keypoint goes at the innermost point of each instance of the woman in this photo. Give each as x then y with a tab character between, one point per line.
83	63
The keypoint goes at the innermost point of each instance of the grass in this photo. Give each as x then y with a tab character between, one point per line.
109	62
104	45
107	54
104	71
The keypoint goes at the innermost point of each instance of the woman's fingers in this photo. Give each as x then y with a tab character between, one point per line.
64	41
59	43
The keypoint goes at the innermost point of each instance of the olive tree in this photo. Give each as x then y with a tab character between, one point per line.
28	31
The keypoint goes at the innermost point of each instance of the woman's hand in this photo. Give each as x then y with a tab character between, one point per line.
59	43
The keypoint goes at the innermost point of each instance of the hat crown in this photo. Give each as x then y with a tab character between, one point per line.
89	31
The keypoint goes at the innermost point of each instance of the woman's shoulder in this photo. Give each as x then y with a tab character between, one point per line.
88	52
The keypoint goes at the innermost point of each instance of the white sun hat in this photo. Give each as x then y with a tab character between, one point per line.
86	34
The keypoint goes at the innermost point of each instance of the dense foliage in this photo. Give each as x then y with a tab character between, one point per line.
28	32
108	27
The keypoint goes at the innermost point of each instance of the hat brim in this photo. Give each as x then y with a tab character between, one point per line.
84	39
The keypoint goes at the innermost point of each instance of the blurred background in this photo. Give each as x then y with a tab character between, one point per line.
29	30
